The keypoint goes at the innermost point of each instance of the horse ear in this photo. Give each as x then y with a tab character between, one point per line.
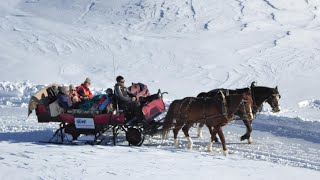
253	84
276	88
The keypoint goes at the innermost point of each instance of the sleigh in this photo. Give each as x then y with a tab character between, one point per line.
77	122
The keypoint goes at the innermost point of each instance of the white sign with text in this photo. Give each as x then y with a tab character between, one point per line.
84	123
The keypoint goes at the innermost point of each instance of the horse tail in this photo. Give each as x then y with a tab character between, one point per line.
168	120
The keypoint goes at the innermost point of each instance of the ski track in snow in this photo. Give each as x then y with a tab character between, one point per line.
279	139
271	5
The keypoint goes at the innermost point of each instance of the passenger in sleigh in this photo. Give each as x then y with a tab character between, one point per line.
141	92
128	102
106	101
74	96
63	102
83	90
85	95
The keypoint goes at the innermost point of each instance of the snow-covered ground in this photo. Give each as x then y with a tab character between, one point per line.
181	46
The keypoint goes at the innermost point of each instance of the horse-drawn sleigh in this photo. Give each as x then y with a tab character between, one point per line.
215	109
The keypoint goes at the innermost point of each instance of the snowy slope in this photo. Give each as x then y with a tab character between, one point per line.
181	46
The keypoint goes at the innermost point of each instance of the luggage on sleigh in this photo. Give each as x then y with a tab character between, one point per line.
40	103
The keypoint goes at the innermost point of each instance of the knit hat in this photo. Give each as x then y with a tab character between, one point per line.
64	89
87	80
109	91
72	87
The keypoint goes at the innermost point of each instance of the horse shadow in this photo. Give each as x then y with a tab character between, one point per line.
287	127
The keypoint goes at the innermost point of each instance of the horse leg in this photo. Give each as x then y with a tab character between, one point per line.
176	129
215	136
249	130
250	140
185	130
223	141
213	133
200	130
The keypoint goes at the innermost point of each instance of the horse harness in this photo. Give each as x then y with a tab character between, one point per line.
204	113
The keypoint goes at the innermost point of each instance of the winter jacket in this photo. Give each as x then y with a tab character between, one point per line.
83	91
122	94
64	101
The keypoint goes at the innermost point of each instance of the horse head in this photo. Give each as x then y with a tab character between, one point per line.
273	99
241	104
245	107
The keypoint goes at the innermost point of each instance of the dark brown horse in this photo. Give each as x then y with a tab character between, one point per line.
259	94
214	112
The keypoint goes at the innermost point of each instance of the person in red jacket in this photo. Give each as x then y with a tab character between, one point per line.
83	90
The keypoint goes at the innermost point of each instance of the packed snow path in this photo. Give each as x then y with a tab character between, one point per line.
276	139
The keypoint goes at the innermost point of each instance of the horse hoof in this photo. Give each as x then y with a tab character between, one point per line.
190	143
199	132
226	152
176	143
210	147
250	140
243	138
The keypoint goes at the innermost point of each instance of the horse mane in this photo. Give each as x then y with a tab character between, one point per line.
234	100
261	93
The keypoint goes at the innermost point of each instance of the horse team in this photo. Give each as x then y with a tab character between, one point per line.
215	109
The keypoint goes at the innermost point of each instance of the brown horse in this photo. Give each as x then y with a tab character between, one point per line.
214	112
260	94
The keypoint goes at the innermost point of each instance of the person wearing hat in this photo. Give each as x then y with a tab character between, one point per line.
62	103
83	90
64	98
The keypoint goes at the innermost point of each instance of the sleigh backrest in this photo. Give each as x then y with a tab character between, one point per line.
153	109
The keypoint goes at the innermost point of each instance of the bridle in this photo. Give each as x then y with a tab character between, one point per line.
246	115
272	98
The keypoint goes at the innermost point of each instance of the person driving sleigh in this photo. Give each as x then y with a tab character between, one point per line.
129	102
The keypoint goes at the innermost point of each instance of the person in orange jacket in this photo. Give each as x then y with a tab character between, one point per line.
83	90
